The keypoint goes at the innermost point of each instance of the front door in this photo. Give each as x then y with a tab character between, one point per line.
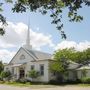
21	73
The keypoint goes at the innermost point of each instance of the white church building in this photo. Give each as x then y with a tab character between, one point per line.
27	59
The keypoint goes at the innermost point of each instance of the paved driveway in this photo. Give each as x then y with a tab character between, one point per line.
7	87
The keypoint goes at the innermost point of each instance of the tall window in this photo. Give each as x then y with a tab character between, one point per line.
32	67
42	69
12	70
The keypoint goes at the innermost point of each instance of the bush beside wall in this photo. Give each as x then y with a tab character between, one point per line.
85	80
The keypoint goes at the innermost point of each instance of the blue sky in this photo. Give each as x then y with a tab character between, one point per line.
77	33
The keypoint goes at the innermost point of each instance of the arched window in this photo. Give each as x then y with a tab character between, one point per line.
22	57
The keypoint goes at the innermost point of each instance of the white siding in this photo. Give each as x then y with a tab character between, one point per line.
29	60
45	77
79	72
17	59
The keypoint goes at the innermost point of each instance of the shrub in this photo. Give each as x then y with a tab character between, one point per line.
33	74
55	82
5	75
22	80
73	81
85	80
1	67
58	82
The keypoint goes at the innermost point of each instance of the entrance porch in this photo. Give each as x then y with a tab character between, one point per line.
18	71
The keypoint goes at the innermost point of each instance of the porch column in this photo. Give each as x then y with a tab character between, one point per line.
17	72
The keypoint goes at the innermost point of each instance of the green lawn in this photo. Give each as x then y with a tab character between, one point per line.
84	85
40	85
28	84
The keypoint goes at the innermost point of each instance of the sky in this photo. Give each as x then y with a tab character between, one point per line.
44	35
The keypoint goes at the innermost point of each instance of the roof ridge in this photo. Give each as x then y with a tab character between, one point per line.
37	55
41	52
30	54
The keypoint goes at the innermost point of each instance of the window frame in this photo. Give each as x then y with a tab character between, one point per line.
22	57
32	67
12	70
42	69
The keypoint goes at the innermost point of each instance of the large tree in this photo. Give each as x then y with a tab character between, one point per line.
61	62
56	8
62	59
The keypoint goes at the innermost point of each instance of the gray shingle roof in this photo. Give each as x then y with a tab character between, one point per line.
73	65
38	55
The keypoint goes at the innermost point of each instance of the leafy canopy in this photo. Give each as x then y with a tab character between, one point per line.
56	8
61	60
63	57
5	74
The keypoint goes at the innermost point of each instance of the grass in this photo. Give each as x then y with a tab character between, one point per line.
28	84
84	85
40	85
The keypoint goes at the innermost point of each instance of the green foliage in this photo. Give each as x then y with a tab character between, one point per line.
56	7
60	63
5	75
85	80
1	67
63	57
21	80
81	57
3	23
33	74
84	72
2	31
87	53
9	1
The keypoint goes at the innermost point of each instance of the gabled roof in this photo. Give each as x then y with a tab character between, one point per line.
38	55
73	65
84	67
18	52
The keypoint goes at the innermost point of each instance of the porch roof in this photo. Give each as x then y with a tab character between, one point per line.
84	67
16	65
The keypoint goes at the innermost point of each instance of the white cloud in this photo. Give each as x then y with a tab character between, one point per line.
6	55
72	44
37	28
39	39
16	35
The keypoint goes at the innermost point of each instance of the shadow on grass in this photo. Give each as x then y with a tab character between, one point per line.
43	85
